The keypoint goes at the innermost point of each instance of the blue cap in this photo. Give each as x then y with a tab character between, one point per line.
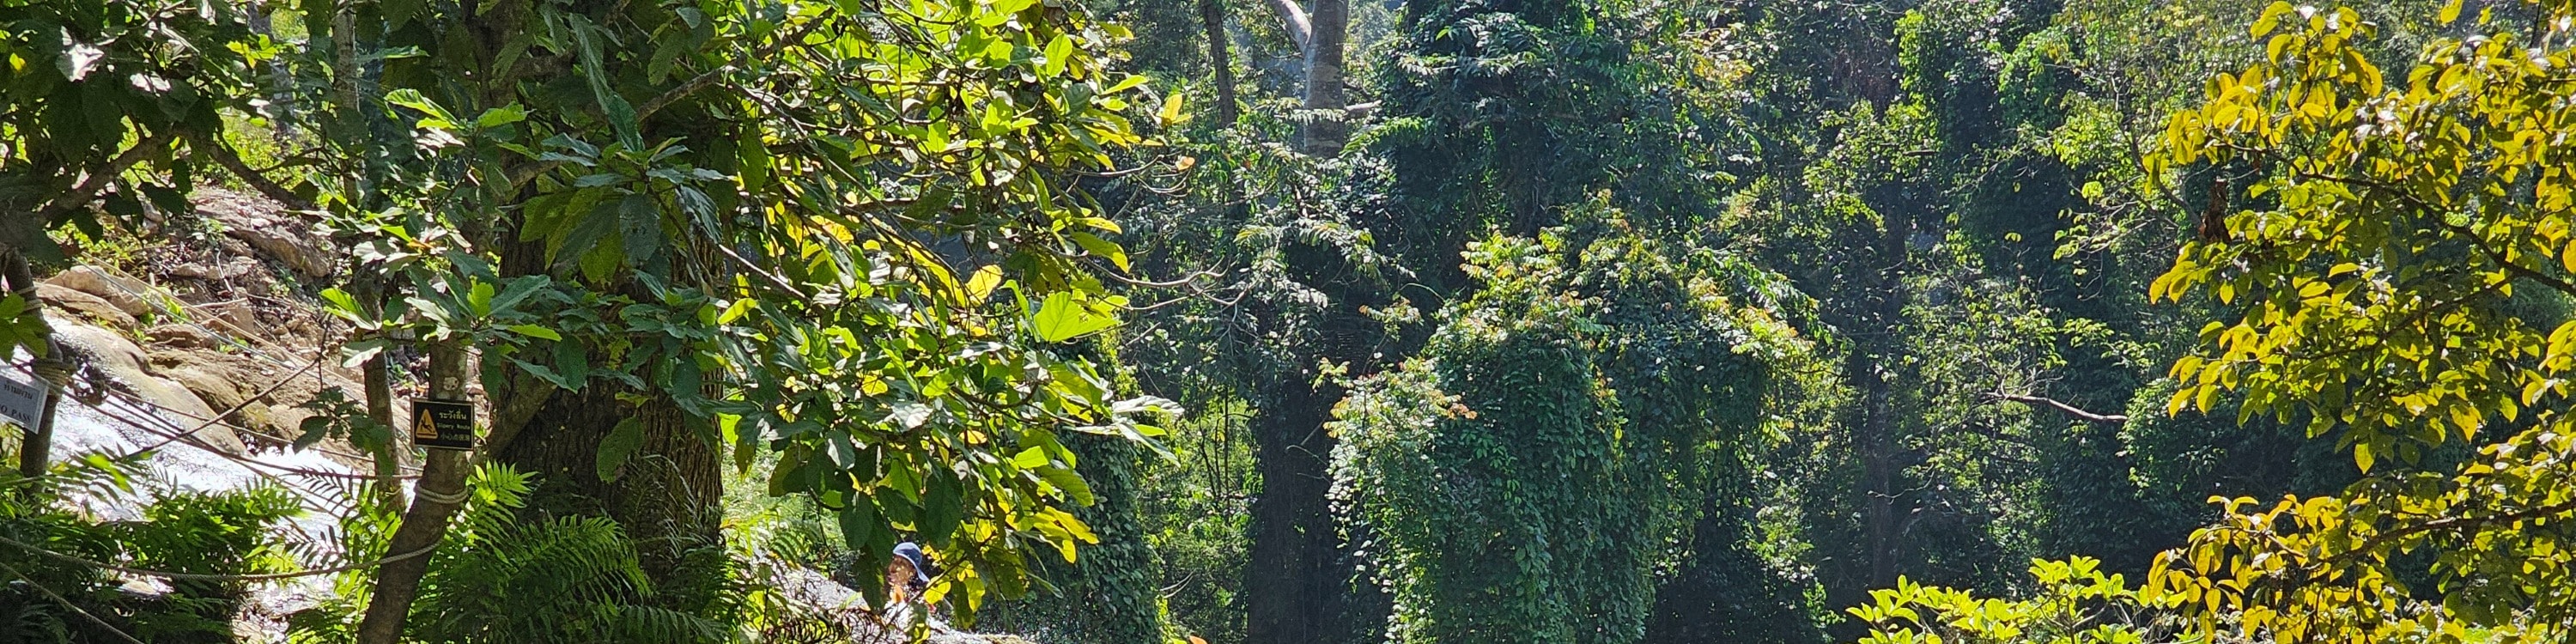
920	563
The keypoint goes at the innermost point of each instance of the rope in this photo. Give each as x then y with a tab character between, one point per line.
434	496
148	404
49	554
49	592
317	497
170	433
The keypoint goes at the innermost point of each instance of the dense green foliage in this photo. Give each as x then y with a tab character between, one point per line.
53	601
1593	321
1475	469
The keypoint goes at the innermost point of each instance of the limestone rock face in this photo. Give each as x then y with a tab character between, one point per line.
183	336
272	229
231	268
117	359
93	307
127	294
225	380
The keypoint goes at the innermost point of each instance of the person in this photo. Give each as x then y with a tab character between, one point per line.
908	573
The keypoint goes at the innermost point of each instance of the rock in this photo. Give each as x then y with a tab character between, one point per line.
133	297
224	380
88	306
111	355
228	269
235	318
822	598
184	336
269	227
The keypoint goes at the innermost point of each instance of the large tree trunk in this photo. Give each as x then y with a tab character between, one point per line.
1326	104
1723	592
1878	477
1301	585
665	496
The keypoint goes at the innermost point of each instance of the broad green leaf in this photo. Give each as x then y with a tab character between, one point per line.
941	507
1103	248
535	331
500	116
620	446
980	285
859	523
1061	318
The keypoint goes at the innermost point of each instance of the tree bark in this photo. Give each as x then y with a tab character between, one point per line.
441	492
1294	585
1301	584
1878	477
36	450
665	496
380	402
1327	105
1220	60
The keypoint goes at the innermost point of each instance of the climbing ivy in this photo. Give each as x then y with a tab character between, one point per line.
1527	475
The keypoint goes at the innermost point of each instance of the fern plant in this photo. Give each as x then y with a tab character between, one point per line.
223	533
499	579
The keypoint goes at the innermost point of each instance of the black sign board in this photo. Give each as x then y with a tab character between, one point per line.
442	424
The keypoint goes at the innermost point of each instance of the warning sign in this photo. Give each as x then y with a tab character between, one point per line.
442	424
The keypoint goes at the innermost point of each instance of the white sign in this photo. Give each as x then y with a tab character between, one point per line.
22	397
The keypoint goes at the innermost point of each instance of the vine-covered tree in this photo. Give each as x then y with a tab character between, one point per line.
1582	365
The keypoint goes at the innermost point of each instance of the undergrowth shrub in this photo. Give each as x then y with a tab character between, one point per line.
500	579
42	600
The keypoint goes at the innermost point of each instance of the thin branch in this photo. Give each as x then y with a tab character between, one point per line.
232	162
2071	410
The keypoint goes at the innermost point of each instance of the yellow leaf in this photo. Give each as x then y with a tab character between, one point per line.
982	283
1171	114
2361	456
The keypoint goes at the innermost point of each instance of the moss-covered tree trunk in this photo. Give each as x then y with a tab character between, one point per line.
1724	593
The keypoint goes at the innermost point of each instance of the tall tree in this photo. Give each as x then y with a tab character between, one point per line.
841	231
1322	32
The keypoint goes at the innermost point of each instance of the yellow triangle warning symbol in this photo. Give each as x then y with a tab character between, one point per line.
423	428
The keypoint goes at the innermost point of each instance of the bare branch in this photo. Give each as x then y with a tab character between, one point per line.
1300	28
2071	410
232	162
